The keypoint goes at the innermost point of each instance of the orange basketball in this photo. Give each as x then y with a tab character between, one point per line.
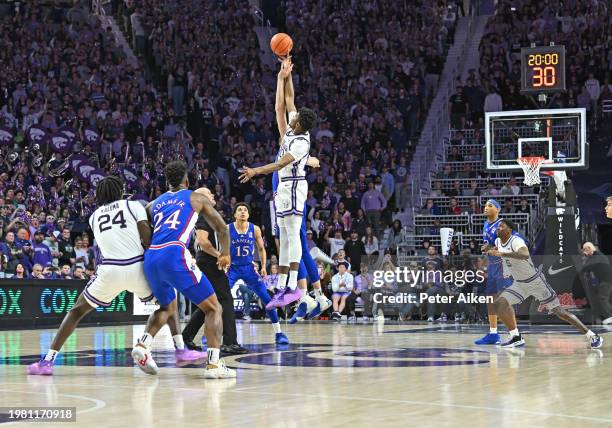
281	44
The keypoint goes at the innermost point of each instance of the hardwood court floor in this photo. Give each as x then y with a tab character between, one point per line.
333	375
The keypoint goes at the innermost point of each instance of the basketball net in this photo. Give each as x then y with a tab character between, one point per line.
531	167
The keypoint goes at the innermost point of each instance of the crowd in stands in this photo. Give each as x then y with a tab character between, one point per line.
68	93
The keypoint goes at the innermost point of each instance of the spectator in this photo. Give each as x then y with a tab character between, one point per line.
490	190
79	273
20	272
37	272
66	249
336	243
341	258
508	208
342	285
360	223
65	272
432	259
396	236
598	265
41	252
354	249
454	208
510	188
370	242
361	284
373	203
523	207
493	102
458	109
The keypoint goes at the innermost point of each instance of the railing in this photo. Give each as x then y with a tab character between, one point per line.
463	201
447	183
430	150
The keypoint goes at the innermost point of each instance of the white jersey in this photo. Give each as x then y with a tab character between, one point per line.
299	147
116	232
520	270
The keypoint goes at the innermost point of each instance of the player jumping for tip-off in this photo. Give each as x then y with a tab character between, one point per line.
528	281
292	188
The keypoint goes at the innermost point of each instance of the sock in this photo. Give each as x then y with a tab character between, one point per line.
146	340
589	334
292	283
51	354
514	333
493	330
304	292
276	327
282	281
178	342
213	355
318	293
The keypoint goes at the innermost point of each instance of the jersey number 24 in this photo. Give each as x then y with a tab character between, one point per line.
172	221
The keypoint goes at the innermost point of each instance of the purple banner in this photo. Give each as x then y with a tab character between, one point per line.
68	133
60	143
129	175
84	170
95	176
91	136
75	161
6	136
37	135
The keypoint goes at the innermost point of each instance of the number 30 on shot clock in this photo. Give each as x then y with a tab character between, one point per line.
543	69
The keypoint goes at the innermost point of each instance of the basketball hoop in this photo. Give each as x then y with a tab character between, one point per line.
531	167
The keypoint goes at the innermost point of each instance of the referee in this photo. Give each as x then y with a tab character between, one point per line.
207	251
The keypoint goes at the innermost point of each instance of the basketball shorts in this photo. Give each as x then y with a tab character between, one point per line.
170	266
536	287
246	273
114	276
495	285
290	197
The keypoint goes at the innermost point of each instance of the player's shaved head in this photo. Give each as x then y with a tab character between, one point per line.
205	191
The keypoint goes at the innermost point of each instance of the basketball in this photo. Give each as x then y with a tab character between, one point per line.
281	44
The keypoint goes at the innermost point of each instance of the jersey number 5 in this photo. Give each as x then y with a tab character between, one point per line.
104	220
172	221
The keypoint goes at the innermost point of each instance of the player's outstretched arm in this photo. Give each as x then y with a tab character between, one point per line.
261	248
289	93
279	106
202	205
520	254
248	173
313	162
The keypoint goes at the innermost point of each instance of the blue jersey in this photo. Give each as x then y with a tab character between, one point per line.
489	234
275	175
173	218
242	245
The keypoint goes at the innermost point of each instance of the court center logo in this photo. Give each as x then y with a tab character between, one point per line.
294	355
312	355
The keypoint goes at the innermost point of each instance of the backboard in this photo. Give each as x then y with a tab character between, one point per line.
558	135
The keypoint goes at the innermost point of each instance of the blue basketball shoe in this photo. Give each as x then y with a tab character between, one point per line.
489	339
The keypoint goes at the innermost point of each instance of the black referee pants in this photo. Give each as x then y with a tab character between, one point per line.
218	279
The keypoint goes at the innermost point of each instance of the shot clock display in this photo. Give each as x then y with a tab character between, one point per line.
543	69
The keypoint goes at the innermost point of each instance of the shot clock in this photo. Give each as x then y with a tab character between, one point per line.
543	69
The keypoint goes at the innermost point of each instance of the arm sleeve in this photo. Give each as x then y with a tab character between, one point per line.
138	210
